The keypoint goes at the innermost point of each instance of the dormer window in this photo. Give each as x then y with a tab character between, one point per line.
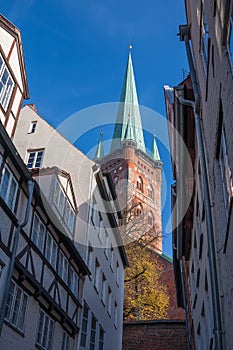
6	85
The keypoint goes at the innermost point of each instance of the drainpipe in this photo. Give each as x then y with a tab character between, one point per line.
185	36
30	184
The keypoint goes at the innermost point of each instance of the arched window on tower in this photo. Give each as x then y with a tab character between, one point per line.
140	184
150	218
139	210
150	191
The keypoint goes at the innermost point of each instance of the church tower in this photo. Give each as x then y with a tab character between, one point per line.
135	173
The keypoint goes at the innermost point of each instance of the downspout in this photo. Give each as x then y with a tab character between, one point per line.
30	184
185	36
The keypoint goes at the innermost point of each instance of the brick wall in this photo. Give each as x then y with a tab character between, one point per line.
154	335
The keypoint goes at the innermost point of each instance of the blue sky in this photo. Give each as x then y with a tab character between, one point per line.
76	54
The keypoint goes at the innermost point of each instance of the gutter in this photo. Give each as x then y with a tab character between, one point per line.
30	184
185	36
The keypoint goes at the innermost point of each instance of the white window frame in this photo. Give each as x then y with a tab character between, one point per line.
45	331
117	273
35	158
109	301
67	342
32	127
103	288
74	282
7	187
115	314
101	338
38	233
84	330
6	89
97	275
16	308
51	249
63	266
93	333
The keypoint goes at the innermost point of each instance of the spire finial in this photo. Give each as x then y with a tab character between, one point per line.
99	154
130	47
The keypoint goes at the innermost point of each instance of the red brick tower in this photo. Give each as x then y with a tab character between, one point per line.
136	174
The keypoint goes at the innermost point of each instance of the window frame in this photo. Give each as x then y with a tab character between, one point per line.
36	237
6	195
33	160
12	303
50	247
92	343
5	92
49	323
230	37
84	328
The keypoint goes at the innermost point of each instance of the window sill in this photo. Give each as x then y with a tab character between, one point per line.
14	328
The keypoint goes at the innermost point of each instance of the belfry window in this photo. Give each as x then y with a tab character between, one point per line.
140	184
150	191
150	219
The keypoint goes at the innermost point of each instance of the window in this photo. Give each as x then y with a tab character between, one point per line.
101	338
84	326
66	342
64	207
226	174
93	211
2	265
115	314
117	273
109	301
150	191
101	229
16	306
51	250
111	258
93	332
45	331
140	184
103	289
35	159
139	210
204	41
97	275
73	282
63	267
230	37
38	233
6	84
106	244
89	257
32	127
150	218
8	187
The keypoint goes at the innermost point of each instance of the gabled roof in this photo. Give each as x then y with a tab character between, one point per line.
128	116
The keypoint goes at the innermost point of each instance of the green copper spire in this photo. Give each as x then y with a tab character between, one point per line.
99	154
128	107
155	151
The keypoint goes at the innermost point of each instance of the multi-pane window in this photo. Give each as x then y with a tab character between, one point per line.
84	326
230	36
93	333
16	306
204	41
34	159
45	331
6	84
8	187
73	281
63	267
101	338
226	174
64	207
66	342
38	232
51	250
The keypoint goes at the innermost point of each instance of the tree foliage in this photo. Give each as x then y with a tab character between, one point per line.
145	297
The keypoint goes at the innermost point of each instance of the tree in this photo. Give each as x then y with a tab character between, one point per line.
145	297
